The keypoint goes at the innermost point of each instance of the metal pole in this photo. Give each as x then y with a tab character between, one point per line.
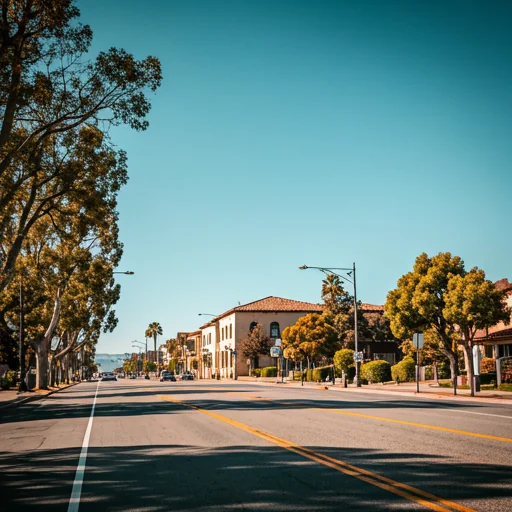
417	365
22	386
358	363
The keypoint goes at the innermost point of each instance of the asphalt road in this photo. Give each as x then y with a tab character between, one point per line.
212	446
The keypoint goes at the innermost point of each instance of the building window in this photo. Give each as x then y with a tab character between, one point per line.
274	330
230	331
222	336
252	326
209	338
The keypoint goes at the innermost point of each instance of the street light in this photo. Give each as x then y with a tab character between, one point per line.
350	277
206	314
128	273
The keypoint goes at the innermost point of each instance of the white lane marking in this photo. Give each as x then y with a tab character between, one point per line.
479	413
74	501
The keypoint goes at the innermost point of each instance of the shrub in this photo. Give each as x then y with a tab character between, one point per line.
404	371
256	372
343	360
376	371
8	380
488	378
269	371
488	365
321	373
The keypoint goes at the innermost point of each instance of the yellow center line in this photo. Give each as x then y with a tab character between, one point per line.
420	425
405	491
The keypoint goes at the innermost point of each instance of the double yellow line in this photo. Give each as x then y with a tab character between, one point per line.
408	492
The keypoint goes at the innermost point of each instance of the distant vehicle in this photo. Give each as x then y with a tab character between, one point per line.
133	376
108	376
187	376
146	376
165	375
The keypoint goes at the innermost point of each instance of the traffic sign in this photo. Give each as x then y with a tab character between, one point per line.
417	340
358	357
275	351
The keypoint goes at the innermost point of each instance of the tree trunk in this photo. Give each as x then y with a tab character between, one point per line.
43	346
468	353
42	364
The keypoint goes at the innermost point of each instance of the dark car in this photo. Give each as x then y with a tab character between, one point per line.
167	376
108	376
187	376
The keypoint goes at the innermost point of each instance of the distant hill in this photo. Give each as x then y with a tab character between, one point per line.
109	362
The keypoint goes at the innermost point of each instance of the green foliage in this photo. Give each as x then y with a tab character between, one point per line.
343	360
312	336
488	365
269	371
488	378
54	103
8	380
505	387
404	371
149	366
321	373
376	371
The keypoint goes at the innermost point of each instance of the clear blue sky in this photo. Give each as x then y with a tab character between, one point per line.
307	132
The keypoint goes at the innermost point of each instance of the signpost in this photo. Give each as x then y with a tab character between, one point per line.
418	341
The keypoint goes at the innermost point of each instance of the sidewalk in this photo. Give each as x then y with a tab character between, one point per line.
11	397
428	390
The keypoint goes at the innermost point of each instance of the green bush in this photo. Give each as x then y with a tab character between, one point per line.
376	371
8	380
488	378
321	373
256	372
404	371
505	387
269	371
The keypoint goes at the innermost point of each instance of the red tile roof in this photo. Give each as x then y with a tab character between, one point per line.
274	304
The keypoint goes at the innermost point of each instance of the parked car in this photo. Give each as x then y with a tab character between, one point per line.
187	376
108	376
167	376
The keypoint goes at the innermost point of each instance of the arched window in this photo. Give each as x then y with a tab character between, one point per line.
274	330
252	326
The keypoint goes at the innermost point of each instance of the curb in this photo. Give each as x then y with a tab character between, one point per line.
432	396
34	397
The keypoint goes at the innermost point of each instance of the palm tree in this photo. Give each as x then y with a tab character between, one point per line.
153	330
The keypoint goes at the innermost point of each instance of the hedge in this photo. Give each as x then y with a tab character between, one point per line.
321	373
256	372
404	371
8	380
376	371
269	371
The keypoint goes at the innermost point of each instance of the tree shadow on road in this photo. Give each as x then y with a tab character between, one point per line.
199	478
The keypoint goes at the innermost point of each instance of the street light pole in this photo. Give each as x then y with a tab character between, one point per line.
351	272
22	386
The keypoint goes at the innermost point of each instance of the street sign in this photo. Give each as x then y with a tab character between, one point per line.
358	357
277	342
417	339
275	351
